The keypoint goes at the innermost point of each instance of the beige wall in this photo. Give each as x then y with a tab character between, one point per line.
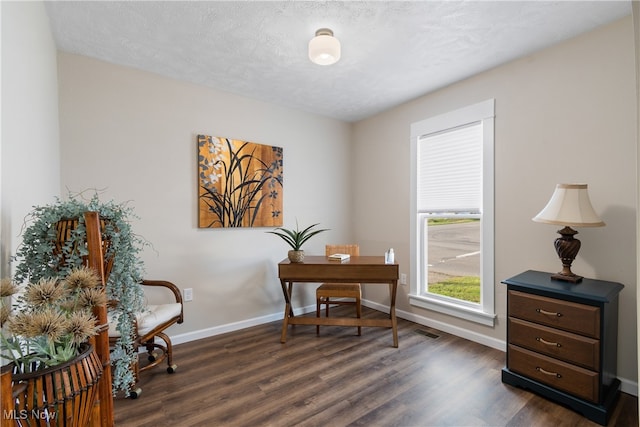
134	134
565	114
30	143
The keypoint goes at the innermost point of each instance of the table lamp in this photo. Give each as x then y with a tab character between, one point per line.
569	206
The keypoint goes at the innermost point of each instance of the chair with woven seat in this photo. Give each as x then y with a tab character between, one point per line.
149	327
339	293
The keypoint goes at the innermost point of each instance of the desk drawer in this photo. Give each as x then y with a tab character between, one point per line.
555	373
569	316
562	345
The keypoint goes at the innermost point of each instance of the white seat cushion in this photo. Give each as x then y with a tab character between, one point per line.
153	316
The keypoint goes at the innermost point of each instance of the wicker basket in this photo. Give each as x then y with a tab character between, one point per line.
61	395
64	232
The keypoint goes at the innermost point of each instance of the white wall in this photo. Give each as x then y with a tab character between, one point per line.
133	133
30	168
565	114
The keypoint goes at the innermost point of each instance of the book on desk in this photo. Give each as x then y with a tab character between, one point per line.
339	257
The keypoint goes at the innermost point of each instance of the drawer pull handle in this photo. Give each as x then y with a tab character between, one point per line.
548	313
554	374
543	341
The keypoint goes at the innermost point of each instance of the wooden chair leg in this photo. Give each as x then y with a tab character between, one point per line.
359	314
318	314
171	367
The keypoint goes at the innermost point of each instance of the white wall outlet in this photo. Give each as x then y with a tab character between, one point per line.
403	279
188	294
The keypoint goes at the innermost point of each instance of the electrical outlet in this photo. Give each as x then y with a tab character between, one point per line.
403	279
188	294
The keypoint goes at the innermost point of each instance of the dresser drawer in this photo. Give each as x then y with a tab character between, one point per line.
569	316
562	345
555	373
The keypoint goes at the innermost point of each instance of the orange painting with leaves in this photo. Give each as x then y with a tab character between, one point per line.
239	183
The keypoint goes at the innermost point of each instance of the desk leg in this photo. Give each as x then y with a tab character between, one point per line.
393	288
288	310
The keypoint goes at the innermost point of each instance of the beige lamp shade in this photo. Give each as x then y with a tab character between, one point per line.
324	49
570	205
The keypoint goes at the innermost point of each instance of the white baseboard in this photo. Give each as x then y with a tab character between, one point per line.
235	326
628	386
444	327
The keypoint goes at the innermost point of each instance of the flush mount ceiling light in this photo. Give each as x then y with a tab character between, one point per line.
324	49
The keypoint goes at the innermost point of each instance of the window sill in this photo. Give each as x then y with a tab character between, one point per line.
466	313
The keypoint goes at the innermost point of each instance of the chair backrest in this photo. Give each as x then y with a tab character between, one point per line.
353	250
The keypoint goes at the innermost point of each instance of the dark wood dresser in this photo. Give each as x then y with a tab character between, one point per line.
562	341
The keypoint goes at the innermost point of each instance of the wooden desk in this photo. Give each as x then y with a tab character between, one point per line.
358	269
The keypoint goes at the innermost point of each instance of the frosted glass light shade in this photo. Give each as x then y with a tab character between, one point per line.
570	205
324	49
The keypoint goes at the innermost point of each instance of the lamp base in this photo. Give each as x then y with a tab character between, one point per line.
567	248
573	278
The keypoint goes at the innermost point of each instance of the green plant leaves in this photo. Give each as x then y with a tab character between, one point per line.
296	238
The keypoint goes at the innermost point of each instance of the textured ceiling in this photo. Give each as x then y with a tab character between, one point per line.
392	51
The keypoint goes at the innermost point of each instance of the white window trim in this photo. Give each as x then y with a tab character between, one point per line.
485	313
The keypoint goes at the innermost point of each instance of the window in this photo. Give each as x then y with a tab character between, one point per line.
452	213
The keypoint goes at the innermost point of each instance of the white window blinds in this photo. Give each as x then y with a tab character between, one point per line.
450	171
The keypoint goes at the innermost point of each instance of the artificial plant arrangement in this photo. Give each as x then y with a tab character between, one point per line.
296	238
50	320
38	258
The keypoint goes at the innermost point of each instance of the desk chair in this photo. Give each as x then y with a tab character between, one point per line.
327	291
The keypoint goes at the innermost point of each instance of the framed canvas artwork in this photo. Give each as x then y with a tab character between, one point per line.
239	183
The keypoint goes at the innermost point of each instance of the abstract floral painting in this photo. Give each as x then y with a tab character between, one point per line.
239	183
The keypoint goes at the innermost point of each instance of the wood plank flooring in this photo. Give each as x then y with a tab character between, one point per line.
248	378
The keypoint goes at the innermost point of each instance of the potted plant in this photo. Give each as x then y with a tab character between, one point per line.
41	255
296	238
45	336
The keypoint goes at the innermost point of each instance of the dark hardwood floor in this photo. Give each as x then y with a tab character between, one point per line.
248	378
